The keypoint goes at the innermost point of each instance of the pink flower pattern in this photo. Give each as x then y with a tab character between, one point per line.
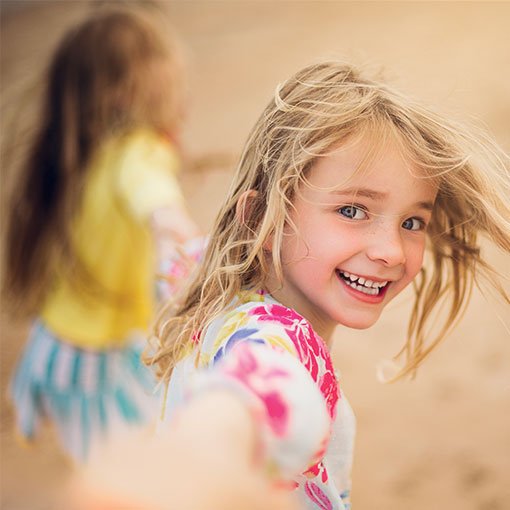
175	271
315	493
260	381
309	346
242	358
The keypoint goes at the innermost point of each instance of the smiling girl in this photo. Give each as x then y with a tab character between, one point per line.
343	186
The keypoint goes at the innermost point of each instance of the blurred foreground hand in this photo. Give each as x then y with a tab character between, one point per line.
204	461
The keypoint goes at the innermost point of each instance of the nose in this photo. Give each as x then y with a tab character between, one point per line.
387	247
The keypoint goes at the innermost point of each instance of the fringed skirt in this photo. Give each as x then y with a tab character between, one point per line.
86	394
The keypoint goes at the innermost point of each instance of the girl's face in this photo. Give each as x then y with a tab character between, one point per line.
360	237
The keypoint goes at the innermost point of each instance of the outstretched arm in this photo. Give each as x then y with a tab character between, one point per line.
172	227
206	460
148	189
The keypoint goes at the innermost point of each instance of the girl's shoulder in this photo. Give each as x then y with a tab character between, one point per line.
145	142
261	311
254	311
258	317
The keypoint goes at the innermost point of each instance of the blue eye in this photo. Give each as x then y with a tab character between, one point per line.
413	224
352	212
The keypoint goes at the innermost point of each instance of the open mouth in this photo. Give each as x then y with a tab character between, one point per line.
361	284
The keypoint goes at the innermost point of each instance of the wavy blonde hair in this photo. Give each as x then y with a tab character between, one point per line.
315	110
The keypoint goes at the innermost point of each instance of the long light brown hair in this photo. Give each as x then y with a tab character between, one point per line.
117	70
313	111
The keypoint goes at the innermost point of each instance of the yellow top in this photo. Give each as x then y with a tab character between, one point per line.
129	178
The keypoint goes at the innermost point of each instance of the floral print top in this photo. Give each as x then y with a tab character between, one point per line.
273	359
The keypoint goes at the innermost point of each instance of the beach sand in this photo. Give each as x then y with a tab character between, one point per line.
441	441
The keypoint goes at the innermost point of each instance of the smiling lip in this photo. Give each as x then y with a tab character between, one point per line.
372	293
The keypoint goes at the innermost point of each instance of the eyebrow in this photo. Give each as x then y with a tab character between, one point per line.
378	195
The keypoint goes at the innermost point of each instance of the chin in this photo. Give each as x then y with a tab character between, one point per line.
358	323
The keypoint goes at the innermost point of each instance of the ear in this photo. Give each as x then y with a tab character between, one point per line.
244	206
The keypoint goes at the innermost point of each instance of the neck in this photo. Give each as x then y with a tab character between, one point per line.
321	326
325	331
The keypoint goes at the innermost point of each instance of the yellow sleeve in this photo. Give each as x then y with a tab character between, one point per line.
147	175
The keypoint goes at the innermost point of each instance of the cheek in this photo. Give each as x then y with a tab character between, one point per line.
292	249
414	258
298	246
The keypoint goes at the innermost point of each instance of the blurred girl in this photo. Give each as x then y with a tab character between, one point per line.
96	199
343	186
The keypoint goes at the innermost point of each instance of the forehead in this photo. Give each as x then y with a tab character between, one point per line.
361	162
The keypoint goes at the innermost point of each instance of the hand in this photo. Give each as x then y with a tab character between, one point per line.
205	461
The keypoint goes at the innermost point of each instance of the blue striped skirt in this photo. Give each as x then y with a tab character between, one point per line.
86	394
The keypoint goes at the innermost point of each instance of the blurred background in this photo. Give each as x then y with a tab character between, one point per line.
440	441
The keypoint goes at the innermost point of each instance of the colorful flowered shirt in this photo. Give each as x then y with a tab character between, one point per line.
271	357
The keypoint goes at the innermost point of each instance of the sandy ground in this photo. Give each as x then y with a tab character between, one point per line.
440	442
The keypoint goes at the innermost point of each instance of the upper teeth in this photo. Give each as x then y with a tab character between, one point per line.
363	281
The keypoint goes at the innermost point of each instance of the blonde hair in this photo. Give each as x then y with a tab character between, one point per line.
116	71
315	110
